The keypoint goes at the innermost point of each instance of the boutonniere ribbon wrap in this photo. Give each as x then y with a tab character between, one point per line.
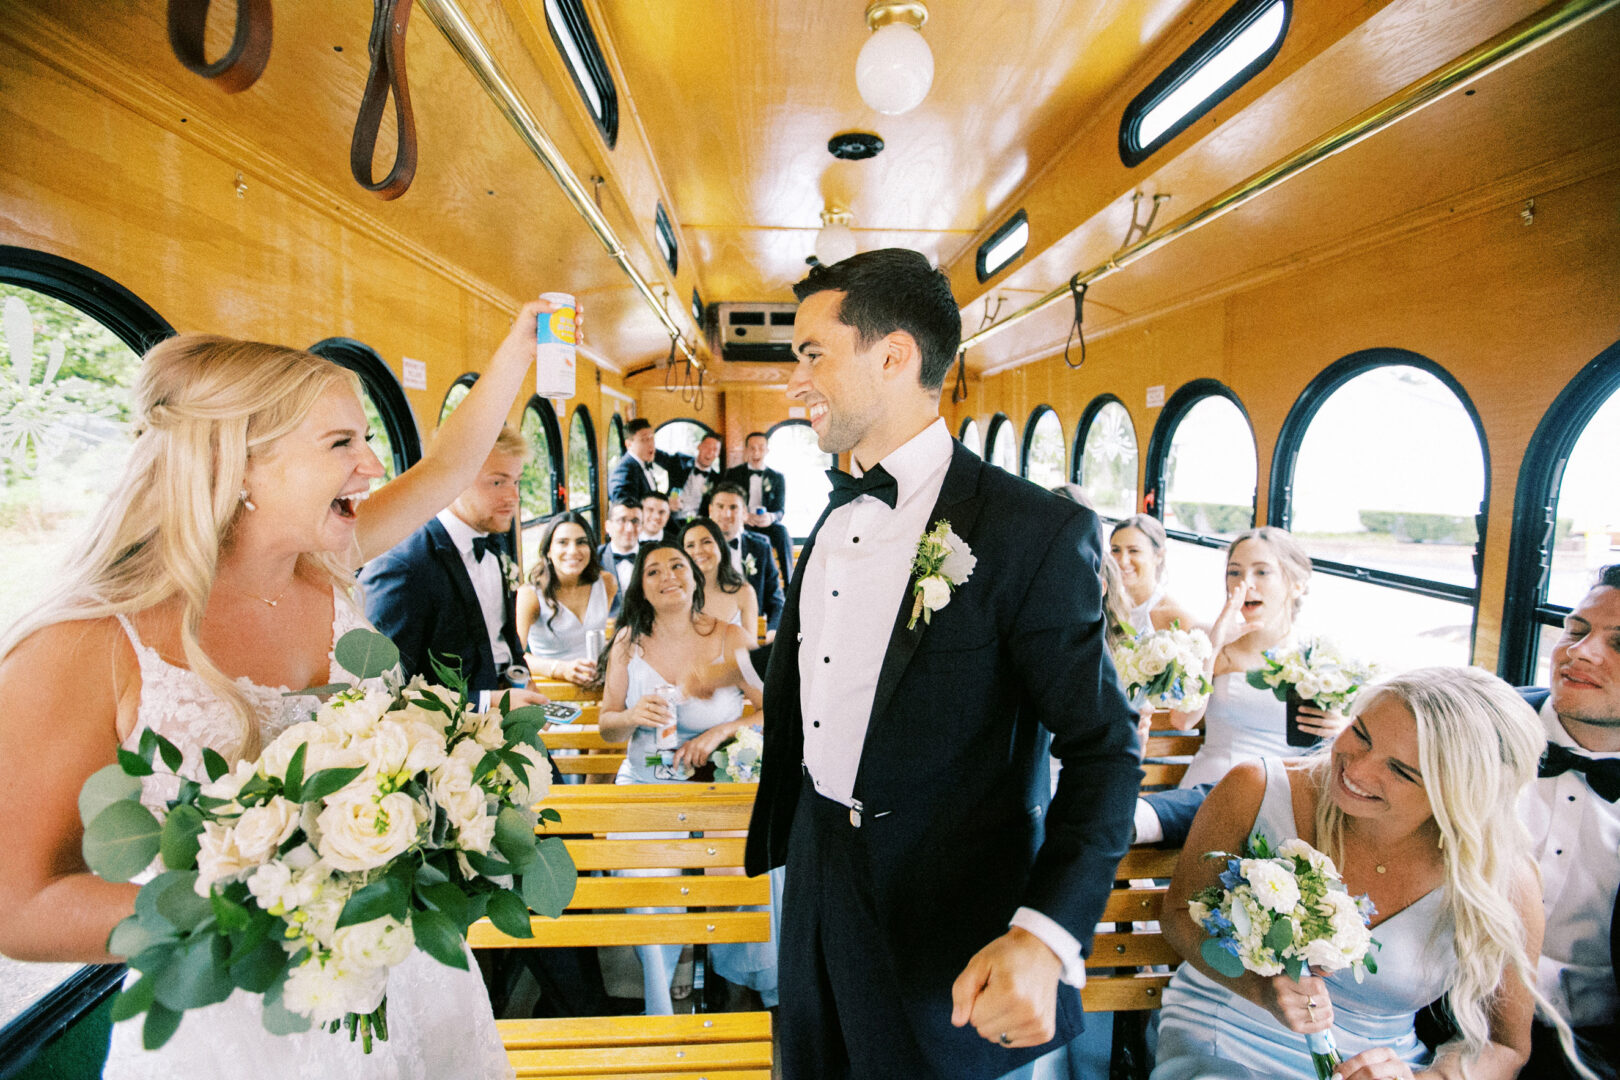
942	563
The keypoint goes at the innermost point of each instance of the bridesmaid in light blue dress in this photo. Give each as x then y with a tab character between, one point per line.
566	598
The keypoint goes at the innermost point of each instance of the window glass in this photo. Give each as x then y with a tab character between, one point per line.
1003	246
64	437
456	394
802	463
1108	461
582	465
1209	471
970	436
572	34
1044	464
538	486
1002	448
664	233
615	444
381	444
1390	475
1588	531
680	437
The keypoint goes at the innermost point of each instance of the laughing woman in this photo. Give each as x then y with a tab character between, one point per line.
219	574
566	598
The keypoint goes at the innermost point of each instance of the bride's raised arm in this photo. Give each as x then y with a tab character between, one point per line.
457	452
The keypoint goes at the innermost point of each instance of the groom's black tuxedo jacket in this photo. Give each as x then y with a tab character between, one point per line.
954	772
419	594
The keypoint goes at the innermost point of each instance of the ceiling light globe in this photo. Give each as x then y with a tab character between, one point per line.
835	243
895	69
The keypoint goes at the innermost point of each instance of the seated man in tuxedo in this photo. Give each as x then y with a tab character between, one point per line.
655	520
750	554
637	475
446	591
766	492
618	555
692	478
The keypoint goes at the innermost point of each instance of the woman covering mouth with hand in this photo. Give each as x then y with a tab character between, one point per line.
1267	576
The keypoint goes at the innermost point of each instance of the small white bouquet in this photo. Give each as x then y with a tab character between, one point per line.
1284	911
1167	666
739	759
1313	670
390	820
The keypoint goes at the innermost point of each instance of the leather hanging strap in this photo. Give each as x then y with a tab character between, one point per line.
250	45
387	74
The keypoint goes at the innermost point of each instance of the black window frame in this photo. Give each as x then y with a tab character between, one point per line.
386	393
962	430
543	408
1535	514
138	325
688	420
666	233
584	38
1238	18
1279	497
984	272
582	412
993	430
1035	415
697	307
466	378
1088	416
1164	430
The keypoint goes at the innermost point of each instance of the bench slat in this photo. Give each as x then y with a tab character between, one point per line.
1124	993
588	764
1162	774
690	1074
675	853
625	816
559	690
560	1033
619	1061
687	890
1147	862
1135	949
589	737
1124	904
676	928
1173	745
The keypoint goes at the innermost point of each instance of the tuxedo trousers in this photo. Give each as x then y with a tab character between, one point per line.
850	1008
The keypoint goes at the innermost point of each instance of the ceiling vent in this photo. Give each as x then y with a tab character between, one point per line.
757	333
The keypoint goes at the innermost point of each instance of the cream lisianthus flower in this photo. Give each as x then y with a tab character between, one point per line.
219	858
325	990
382	942
262	829
1274	888
361	831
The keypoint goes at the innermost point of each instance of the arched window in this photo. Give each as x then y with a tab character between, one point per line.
615	442
1566	516
679	437
582	479
454	395
1201	470
71	342
1043	448
803	464
1381	473
1105	456
540	488
393	425
970	436
1001	446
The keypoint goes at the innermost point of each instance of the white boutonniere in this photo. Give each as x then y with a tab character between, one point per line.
943	562
750	567
510	571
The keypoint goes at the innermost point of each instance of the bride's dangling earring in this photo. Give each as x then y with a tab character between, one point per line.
246	502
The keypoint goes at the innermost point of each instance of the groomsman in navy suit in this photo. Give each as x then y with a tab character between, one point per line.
633	478
941	899
767	498
692	477
618	554
750	553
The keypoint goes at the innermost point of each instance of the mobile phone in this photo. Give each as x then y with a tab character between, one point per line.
560	712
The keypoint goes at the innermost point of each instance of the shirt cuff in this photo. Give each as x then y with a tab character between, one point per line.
1149	829
1059	940
483	700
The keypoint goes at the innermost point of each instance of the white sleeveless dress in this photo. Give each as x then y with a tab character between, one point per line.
439	1018
1241	724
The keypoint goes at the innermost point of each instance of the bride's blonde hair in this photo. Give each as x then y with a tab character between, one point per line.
1479	744
204	405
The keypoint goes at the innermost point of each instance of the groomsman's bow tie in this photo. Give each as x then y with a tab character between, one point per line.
481	544
875	482
1602	774
619	556
736	545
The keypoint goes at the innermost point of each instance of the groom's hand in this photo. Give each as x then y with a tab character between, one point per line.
1009	988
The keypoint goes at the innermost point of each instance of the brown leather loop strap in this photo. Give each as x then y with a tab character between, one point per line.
387	73
239	68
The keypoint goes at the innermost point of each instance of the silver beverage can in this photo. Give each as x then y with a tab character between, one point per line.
674	697
517	677
595	641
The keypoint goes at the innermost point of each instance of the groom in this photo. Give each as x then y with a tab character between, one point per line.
937	911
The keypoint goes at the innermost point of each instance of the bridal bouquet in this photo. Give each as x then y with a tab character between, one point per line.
1311	670
739	759
1167	666
1284	911
390	820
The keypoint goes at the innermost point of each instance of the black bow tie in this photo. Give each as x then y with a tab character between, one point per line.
736	545
619	557
875	482
1602	774
481	544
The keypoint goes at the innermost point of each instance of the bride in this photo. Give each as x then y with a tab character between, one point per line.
218	576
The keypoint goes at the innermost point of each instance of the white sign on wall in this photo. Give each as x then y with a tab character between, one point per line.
795	412
415	373
1155	397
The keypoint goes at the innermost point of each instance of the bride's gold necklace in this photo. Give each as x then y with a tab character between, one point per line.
263	600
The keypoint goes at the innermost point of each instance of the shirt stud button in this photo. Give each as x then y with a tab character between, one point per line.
815	723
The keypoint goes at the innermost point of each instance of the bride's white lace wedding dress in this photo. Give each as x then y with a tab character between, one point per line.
439	1019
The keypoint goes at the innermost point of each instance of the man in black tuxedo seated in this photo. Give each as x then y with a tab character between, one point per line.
692	477
750	553
655	523
938	909
446	591
766	494
618	555
633	478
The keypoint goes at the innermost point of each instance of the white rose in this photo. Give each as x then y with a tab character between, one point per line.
426	745
476	834
262	829
383	748
280	887
462	800
1198	911
219	858
1296	848
1274	888
1158	653
382	942
360	831
323	909
326	991
538	785
488	734
936	592
327	750
959	561
232	782
357	716
1324	956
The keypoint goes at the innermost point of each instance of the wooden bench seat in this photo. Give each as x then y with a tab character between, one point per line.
712	1045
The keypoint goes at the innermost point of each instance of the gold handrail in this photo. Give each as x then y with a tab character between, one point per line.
452	21
1505	47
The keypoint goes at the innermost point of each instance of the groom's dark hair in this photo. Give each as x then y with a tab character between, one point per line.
894	289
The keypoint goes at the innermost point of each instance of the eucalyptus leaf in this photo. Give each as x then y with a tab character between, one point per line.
507	910
259	928
106	786
121	841
1281	934
198	977
437	936
1293	967
385	896
525	714
161	1024
1219	959
215	765
133	1000
327	781
549	881
133	936
548	814
181	838
276	1017
429	874
230	915
1257	679
514	837
257	969
146	900
365	654
180	904
487	865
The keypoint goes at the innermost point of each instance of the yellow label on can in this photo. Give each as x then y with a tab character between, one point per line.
561	326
